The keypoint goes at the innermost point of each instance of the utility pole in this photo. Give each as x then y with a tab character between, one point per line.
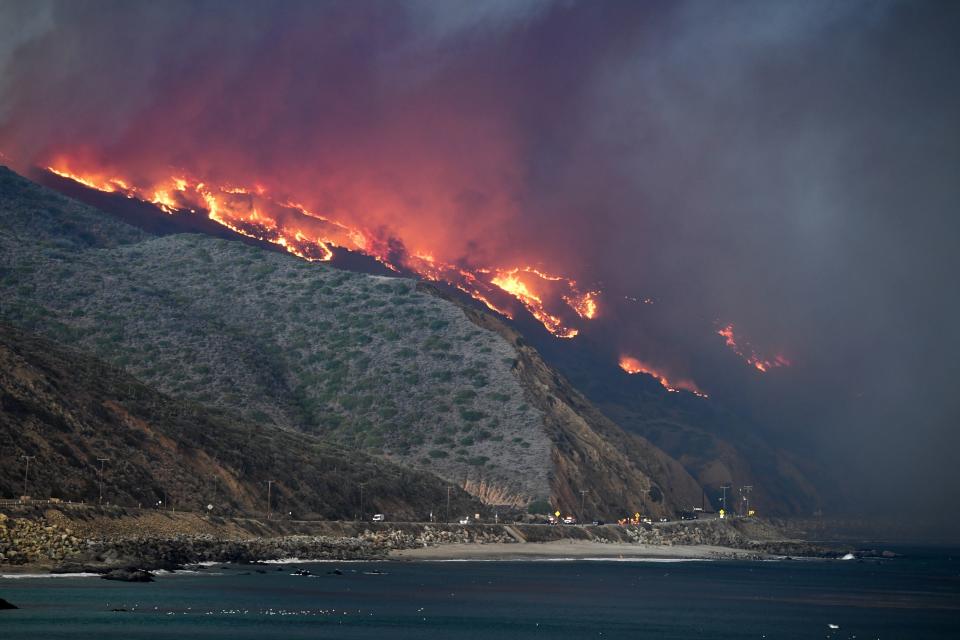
448	503
362	485
26	473
583	493
269	489
724	498
101	461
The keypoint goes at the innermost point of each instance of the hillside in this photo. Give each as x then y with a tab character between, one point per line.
716	445
368	362
68	409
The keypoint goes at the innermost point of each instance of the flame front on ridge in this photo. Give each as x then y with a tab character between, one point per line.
634	366
746	352
252	212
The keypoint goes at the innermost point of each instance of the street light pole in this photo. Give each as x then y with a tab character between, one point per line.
26	473
448	503
747	489
724	498
583	493
102	460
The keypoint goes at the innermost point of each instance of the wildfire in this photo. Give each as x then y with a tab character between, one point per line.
511	282
109	185
252	212
634	366
585	305
748	354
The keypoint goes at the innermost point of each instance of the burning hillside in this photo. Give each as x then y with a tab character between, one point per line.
555	301
743	349
634	366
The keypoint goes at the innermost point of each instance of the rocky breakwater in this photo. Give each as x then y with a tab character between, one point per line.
752	537
28	541
430	535
171	553
124	547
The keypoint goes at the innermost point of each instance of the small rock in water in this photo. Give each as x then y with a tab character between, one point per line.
129	575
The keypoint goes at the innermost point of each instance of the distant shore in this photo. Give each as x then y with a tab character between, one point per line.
574	549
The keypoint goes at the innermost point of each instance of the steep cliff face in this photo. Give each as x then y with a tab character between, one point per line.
594	463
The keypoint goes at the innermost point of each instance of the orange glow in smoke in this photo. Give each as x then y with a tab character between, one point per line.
634	366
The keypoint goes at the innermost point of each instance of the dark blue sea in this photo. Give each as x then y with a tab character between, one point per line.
913	597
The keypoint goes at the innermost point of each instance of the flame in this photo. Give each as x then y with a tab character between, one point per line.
252	212
748	354
633	366
585	305
511	283
109	185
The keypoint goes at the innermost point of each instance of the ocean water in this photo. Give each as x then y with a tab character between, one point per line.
914	597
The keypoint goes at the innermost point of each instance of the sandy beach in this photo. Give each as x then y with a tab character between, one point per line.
571	549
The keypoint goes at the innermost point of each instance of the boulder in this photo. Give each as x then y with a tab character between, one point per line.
129	575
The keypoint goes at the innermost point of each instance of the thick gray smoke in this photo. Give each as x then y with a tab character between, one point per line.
790	167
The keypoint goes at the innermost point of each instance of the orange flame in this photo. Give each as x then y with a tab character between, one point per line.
109	185
751	358
634	366
585	305
251	212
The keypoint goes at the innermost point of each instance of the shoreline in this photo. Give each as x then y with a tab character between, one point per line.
127	545
574	550
553	551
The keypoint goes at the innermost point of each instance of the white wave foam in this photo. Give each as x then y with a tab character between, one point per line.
589	559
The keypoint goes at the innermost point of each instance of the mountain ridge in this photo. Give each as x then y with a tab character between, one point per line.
365	361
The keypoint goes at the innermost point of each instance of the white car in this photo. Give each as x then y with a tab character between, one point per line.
378	517
569	520
465	520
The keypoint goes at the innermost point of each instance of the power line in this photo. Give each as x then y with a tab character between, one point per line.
269	488
26	473
102	460
362	485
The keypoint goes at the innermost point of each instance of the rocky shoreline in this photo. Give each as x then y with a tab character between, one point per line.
126	546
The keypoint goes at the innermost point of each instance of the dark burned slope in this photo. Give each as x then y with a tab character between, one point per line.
68	409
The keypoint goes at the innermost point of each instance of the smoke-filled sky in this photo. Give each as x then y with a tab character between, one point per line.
792	168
